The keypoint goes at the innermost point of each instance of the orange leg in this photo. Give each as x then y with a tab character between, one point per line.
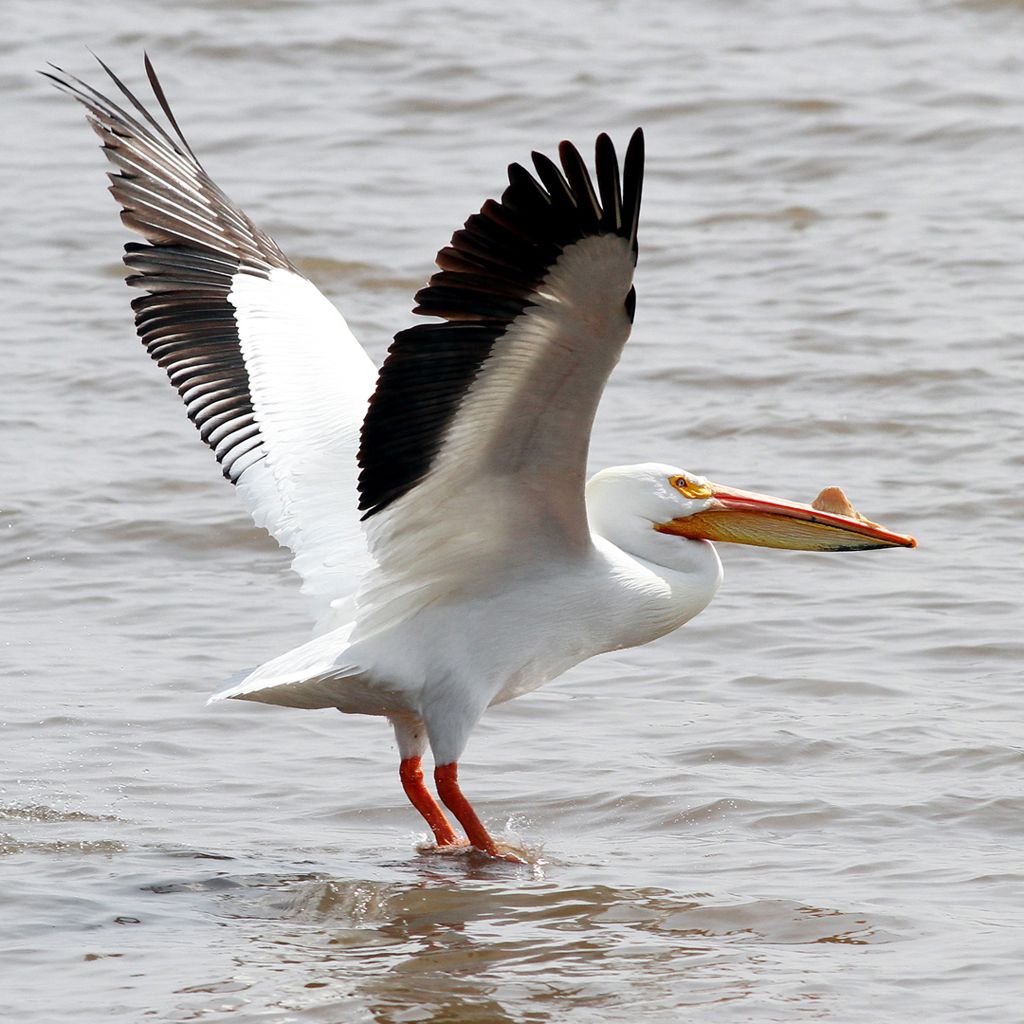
412	782
446	778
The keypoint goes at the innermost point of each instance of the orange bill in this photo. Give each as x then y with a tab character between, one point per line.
743	517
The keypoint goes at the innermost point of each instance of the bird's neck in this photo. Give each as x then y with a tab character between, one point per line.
664	582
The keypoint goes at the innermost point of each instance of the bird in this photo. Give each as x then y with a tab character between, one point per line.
454	553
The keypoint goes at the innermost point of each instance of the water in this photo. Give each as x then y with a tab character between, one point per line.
806	804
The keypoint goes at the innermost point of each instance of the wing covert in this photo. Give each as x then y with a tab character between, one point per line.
477	434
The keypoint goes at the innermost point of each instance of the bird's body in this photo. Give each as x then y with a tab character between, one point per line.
453	552
504	634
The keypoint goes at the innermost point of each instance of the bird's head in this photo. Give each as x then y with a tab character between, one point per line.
681	504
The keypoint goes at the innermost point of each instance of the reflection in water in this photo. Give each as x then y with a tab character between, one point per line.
462	947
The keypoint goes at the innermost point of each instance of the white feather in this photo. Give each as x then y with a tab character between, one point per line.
310	382
491	551
507	487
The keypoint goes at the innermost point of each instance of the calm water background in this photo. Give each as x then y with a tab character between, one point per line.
806	805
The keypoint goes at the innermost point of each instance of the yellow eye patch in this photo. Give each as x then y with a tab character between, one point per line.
691	488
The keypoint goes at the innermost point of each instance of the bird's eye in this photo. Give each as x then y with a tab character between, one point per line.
690	488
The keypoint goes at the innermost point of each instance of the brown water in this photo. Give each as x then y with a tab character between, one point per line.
805	805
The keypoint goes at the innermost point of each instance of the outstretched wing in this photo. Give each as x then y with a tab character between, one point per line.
473	452
268	370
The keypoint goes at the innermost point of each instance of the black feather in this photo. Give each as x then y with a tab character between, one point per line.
488	274
198	243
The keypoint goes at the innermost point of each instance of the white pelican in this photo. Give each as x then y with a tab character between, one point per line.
438	511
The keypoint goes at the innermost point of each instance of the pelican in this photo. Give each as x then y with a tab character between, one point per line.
453	552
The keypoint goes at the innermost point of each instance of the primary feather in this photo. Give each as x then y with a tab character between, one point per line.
267	368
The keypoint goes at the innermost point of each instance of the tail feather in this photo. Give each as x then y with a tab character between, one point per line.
313	675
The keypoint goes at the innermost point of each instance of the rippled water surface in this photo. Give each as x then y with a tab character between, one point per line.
807	804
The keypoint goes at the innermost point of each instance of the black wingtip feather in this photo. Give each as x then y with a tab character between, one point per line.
197	242
139	106
578	176
554	181
488	274
158	92
632	186
608	183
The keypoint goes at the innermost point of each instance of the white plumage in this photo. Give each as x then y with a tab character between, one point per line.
310	381
454	555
